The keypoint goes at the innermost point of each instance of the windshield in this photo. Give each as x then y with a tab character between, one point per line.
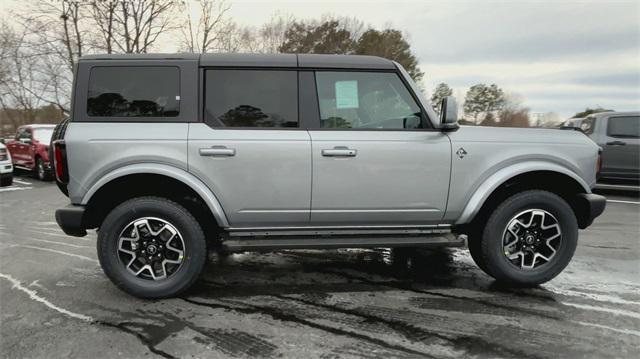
43	135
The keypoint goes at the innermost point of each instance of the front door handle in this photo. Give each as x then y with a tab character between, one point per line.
218	151
339	151
616	143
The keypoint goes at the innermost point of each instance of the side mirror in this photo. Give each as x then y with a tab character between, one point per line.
449	114
412	122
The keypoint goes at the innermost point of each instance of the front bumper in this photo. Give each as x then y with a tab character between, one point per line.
70	219
592	205
6	169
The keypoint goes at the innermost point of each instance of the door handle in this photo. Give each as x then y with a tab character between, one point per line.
218	151
616	143
340	151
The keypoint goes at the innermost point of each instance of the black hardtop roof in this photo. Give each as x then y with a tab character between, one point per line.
260	60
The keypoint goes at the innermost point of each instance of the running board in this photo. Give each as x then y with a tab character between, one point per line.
337	231
234	244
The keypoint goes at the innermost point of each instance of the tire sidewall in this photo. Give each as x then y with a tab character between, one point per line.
194	252
40	171
498	264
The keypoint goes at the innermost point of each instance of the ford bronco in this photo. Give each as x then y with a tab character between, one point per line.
168	156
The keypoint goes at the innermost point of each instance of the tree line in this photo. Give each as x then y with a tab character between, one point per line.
40	47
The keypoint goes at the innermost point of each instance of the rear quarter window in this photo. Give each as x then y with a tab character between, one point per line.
134	91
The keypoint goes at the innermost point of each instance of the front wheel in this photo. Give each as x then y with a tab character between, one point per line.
40	171
151	247
529	239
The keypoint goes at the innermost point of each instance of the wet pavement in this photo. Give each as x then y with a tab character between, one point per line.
55	301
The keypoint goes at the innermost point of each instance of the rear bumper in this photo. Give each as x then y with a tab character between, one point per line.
592	206
70	219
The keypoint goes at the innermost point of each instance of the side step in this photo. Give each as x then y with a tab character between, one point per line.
235	244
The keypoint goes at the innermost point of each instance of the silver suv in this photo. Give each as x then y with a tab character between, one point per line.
171	155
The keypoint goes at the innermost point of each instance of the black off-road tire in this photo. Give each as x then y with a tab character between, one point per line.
474	241
195	251
489	251
7	181
40	172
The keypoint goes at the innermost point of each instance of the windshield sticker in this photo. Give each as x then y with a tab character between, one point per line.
347	94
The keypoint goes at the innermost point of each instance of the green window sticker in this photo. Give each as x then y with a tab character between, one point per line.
347	94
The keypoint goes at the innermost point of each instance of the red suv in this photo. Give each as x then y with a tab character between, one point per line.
30	149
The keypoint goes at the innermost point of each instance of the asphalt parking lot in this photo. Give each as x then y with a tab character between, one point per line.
55	302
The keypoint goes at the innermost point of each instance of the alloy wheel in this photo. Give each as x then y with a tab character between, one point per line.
151	248
531	239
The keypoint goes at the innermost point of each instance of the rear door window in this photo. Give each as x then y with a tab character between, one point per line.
251	98
134	91
624	127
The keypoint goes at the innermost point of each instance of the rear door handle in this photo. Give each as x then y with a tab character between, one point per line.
218	151
340	151
616	143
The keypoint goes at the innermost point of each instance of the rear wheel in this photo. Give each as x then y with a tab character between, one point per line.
528	239
151	247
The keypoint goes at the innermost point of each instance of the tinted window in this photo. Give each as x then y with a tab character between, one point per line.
251	98
134	92
624	127
365	100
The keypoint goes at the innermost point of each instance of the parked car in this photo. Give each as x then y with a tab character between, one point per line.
618	133
30	149
170	155
6	169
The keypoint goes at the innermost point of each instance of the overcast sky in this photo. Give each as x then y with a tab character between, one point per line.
559	56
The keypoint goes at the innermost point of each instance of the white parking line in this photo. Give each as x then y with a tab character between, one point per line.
55	251
16	284
58	243
9	189
619	201
21	182
613	311
62	234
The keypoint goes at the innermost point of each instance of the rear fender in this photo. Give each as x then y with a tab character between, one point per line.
166	170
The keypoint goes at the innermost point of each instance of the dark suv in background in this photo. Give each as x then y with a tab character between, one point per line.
618	133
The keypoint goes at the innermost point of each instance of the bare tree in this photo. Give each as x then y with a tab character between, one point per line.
54	38
137	24
272	34
208	30
20	79
103	14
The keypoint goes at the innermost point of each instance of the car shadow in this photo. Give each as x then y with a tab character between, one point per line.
317	272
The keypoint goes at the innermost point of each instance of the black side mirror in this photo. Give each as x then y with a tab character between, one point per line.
412	122
449	114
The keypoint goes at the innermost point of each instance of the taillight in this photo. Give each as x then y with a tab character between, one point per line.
60	161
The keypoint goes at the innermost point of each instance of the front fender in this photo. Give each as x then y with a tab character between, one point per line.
166	170
504	174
